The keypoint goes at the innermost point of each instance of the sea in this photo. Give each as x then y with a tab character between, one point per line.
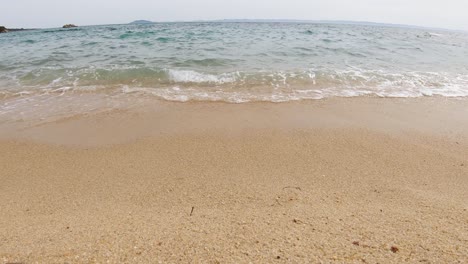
62	71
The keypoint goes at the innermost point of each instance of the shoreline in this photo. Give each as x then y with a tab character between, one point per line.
336	180
128	121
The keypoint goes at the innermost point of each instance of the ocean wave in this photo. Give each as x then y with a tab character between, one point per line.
355	79
188	76
208	62
94	97
178	94
61	30
227	62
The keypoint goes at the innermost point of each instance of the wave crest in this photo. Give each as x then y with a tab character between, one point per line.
275	86
187	76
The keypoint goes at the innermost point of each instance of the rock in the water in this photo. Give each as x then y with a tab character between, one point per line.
69	26
3	29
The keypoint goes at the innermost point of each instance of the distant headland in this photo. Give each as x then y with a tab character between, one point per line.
6	30
141	22
341	22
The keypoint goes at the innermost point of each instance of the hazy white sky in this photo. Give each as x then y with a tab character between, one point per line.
451	14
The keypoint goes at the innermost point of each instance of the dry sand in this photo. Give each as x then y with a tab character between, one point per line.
339	180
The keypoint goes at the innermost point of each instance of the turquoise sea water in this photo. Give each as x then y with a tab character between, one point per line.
233	62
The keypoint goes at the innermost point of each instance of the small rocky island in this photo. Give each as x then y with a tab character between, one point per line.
69	26
3	29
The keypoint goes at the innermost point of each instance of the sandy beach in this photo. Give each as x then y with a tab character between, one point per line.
364	180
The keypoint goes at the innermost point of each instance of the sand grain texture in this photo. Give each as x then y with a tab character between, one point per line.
339	184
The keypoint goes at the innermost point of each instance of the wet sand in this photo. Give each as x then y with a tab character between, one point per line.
338	180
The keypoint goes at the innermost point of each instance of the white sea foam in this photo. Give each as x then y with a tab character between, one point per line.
188	76
347	83
274	86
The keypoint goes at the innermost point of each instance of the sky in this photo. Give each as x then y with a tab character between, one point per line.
450	14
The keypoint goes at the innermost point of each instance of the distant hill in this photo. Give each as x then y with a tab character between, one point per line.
346	22
141	22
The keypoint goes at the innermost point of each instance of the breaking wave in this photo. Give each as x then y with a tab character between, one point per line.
238	87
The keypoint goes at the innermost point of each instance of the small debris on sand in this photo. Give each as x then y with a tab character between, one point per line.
394	249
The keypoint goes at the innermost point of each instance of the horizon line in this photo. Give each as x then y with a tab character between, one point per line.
268	20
